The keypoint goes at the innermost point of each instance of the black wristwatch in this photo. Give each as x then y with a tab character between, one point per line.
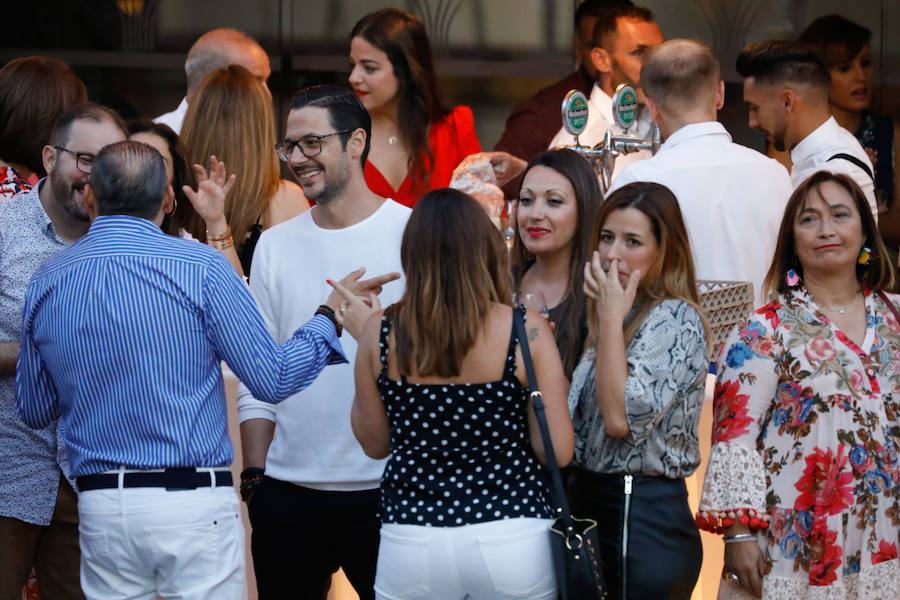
326	310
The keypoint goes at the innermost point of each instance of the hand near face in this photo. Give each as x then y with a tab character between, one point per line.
604	287
209	198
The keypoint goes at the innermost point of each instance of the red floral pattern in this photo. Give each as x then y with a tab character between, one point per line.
826	483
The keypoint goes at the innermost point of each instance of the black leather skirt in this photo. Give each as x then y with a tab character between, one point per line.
649	542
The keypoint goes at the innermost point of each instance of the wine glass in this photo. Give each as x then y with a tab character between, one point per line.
533	300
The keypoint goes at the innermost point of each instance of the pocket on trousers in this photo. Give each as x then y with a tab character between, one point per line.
94	548
402	572
519	564
193	549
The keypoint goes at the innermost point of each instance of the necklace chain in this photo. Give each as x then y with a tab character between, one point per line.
840	310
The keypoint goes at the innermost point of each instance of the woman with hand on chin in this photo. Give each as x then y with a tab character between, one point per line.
416	140
558	200
804	469
637	393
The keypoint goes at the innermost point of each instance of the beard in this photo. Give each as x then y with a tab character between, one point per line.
65	193
334	182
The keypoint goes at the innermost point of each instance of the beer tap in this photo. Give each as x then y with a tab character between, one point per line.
603	155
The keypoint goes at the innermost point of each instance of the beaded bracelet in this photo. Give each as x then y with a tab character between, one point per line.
326	310
251	478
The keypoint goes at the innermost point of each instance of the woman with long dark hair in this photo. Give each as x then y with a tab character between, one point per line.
555	211
417	140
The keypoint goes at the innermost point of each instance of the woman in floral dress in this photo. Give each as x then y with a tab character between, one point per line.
803	474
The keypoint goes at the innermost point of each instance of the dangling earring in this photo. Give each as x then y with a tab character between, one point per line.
791	278
864	255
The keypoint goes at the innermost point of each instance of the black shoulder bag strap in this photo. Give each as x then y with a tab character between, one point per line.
557	491
855	161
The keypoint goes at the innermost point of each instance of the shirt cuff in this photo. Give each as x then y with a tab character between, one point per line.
323	326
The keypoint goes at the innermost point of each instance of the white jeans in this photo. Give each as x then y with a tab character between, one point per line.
495	560
144	543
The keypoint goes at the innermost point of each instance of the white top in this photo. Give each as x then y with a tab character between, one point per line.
600	119
812	154
175	118
314	445
732	199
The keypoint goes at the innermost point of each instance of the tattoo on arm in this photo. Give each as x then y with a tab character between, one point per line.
532	334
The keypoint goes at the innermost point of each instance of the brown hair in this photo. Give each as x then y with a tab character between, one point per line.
34	92
837	39
671	276
456	265
587	201
231	117
402	37
877	274
680	73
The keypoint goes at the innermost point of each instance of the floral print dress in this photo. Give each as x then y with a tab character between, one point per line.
805	450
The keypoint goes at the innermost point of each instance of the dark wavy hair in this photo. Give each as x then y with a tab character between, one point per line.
837	39
402	37
587	201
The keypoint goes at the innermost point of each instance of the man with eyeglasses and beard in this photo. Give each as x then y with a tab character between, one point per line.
311	492
38	516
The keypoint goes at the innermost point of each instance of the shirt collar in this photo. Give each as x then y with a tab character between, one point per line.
809	145
695	130
119	223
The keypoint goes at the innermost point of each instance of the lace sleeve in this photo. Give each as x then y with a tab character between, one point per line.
734	489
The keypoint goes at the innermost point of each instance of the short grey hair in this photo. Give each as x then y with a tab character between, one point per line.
213	50
129	178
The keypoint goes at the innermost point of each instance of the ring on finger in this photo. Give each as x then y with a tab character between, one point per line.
732	577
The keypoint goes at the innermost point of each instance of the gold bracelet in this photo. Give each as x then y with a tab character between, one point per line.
221	243
219	238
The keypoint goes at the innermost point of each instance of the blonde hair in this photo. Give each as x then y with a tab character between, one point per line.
231	117
671	276
456	265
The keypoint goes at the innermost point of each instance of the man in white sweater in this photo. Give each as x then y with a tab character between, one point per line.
315	507
732	198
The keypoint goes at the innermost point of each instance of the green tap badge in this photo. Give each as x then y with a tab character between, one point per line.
575	112
625	106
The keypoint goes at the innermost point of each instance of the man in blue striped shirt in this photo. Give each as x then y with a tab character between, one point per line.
123	334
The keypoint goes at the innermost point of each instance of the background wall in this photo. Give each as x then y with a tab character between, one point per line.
491	53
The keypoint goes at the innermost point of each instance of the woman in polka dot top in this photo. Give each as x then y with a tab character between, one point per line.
440	387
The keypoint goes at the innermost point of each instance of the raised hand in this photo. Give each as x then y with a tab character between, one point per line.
209	198
612	301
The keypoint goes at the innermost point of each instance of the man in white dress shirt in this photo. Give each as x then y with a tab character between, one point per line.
732	198
213	50
786	89
622	37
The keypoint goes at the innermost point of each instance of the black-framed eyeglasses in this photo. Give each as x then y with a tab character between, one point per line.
84	161
310	145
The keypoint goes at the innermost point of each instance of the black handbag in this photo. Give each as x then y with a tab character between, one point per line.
575	543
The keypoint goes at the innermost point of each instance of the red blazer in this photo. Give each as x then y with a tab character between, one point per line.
452	140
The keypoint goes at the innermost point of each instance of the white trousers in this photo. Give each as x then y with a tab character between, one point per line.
144	543
497	560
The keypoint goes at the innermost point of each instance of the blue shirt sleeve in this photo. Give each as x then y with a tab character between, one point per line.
36	399
238	332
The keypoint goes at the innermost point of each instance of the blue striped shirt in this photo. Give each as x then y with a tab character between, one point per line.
122	337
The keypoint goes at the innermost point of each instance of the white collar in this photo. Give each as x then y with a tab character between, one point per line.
810	145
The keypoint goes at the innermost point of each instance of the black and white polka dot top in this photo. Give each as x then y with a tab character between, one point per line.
460	453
